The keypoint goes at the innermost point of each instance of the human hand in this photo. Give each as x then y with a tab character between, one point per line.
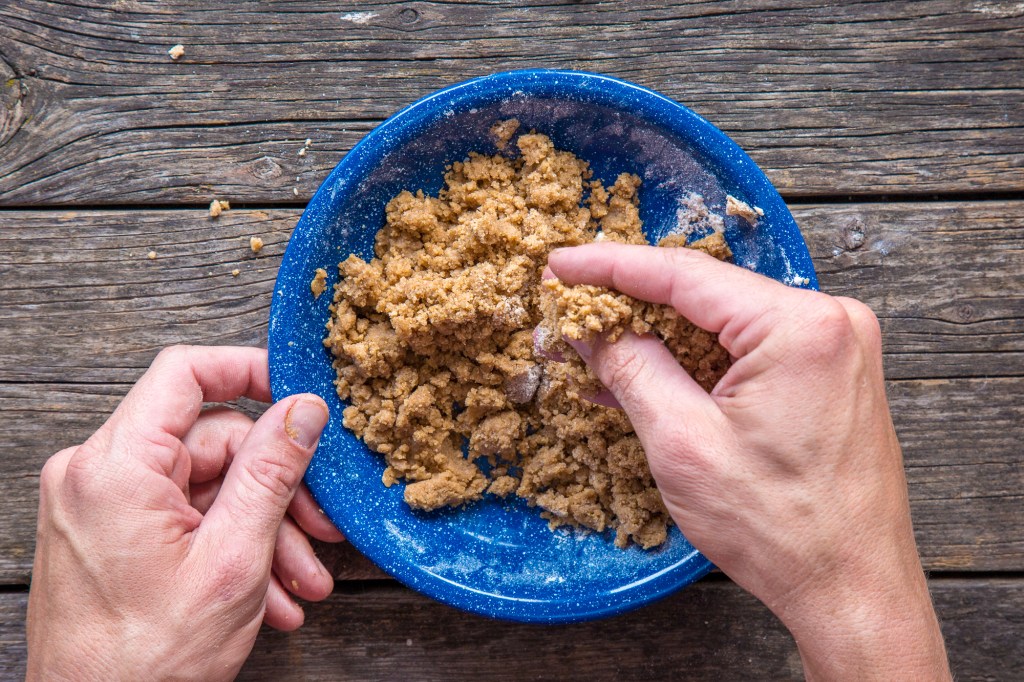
788	476
171	534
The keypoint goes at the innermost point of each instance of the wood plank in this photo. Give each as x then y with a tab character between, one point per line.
946	279
961	441
848	98
710	631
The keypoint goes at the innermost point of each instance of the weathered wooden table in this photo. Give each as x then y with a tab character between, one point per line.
895	130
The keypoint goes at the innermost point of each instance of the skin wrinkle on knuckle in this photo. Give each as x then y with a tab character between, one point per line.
673	261
620	367
158	446
271	472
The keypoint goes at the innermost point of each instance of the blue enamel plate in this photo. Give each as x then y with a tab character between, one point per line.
498	558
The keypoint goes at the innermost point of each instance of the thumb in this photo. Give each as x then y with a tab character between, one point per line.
648	382
265	473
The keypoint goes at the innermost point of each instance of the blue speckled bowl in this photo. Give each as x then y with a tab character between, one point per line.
499	558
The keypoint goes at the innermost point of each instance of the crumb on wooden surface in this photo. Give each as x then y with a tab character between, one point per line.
734	206
302	151
236	272
256	244
176	51
319	283
151	255
217	206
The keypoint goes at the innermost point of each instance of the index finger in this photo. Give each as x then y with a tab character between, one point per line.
720	297
169	396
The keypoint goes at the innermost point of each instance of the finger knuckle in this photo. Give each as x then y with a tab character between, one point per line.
620	367
80	476
54	469
831	329
173	355
273	473
864	321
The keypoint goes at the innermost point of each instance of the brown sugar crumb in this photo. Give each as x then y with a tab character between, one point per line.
151	255
433	345
319	283
734	206
713	245
217	206
256	244
176	51
236	272
503	131
583	311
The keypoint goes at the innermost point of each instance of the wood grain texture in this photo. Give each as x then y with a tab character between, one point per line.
961	440
945	279
710	631
829	98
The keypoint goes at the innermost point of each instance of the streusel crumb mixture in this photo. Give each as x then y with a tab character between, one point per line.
434	344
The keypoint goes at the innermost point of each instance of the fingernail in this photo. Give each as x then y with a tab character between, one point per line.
305	421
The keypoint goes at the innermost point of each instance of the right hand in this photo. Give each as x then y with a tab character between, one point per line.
788	476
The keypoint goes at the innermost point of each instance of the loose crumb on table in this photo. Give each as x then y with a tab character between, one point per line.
176	52
256	244
435	350
217	206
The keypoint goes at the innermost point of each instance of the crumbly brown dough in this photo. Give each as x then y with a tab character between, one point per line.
581	312
256	244
218	206
734	206
434	345
176	51
503	131
319	283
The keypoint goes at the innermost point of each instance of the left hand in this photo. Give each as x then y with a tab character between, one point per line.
172	533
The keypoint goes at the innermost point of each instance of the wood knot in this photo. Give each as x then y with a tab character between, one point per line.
853	238
264	168
965	312
409	16
13	112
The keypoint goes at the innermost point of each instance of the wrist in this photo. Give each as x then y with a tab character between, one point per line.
99	653
865	625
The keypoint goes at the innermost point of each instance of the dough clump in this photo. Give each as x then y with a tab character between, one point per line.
434	344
